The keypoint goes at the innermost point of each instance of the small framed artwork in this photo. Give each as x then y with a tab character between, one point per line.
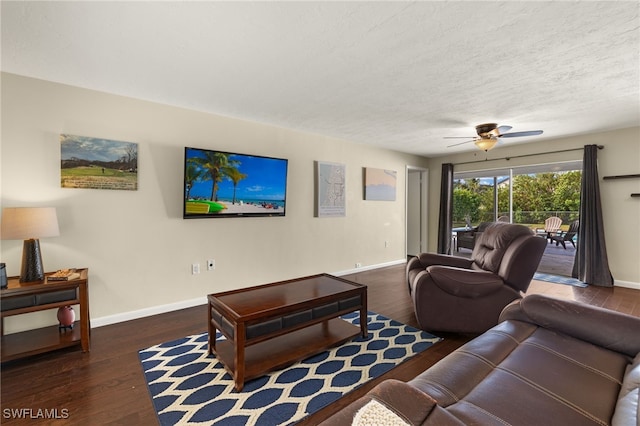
330	189
380	184
96	163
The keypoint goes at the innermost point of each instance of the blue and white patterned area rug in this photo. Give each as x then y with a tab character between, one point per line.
559	279
188	386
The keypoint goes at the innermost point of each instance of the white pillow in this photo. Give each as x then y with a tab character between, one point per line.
376	414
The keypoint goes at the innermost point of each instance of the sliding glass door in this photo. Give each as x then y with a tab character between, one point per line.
480	198
526	195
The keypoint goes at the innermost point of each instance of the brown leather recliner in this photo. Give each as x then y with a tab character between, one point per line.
461	295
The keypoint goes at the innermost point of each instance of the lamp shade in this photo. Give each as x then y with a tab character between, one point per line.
29	224
20	223
486	144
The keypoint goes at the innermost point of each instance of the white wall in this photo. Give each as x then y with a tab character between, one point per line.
621	213
135	243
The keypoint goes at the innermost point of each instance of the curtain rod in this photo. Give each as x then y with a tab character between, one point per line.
524	155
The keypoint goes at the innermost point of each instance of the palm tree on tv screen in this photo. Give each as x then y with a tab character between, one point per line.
214	163
234	176
193	174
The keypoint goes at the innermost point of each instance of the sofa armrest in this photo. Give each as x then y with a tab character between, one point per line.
462	282
603	327
419	264
406	401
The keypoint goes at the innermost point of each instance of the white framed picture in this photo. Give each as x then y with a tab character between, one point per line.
330	189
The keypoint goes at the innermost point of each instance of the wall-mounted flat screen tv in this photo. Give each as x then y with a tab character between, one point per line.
228	184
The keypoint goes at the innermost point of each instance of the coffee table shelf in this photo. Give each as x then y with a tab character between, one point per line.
286	349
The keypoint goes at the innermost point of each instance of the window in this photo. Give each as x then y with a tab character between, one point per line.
528	194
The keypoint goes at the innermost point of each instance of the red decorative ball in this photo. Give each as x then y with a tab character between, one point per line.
66	316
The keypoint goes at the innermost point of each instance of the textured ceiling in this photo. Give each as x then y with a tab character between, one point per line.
398	75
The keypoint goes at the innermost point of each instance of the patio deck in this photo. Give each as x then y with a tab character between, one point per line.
555	260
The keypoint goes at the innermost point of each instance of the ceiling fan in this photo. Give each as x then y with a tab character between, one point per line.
489	134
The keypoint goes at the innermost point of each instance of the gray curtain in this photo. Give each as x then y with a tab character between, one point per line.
445	222
591	264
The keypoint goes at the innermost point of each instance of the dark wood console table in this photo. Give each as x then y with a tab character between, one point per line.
21	298
271	326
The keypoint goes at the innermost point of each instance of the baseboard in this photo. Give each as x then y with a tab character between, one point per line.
163	309
626	284
369	267
147	312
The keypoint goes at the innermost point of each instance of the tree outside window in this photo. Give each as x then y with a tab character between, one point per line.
535	198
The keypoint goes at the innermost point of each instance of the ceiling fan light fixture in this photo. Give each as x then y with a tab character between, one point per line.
489	133
486	144
487	129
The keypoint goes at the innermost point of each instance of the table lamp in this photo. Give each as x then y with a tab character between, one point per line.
29	224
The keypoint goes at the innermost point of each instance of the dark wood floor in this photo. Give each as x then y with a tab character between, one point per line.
106	386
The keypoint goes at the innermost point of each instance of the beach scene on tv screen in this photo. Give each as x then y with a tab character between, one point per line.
220	183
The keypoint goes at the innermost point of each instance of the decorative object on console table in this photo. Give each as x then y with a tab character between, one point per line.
63	275
29	224
66	317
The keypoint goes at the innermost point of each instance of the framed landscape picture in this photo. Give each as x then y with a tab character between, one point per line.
380	184
96	163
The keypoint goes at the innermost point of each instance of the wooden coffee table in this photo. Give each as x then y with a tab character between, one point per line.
271	326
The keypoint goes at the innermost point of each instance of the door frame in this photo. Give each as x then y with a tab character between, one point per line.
423	207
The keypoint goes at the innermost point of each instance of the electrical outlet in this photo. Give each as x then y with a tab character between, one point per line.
386	244
211	264
195	268
358	265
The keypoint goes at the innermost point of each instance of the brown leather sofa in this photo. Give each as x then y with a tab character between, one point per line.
548	362
461	295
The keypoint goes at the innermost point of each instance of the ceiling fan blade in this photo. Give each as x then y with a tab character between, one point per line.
519	134
458	137
503	129
461	143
